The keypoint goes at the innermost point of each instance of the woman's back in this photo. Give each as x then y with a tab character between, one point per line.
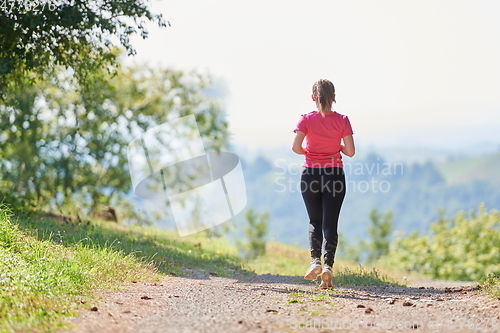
324	135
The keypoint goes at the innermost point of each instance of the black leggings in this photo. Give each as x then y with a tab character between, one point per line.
323	191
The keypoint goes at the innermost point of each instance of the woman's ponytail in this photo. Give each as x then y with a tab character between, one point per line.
324	93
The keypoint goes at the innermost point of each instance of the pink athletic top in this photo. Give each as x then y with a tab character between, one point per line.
323	136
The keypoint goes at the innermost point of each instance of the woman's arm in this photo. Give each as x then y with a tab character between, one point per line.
348	147
297	143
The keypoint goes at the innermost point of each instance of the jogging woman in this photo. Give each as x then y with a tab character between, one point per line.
323	184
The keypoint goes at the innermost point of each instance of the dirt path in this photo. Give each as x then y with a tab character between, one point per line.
270	303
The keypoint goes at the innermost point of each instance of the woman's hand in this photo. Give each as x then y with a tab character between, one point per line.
297	143
348	147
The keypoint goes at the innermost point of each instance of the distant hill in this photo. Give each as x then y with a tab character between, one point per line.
466	170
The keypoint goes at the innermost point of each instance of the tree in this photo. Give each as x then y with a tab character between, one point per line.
78	34
377	245
59	142
256	233
380	231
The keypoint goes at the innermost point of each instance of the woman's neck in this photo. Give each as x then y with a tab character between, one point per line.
325	112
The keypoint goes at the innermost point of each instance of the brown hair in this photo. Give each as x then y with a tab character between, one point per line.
324	92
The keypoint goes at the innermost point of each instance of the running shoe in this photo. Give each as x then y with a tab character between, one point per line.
314	270
326	278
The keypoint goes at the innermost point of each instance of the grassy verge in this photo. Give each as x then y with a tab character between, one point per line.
41	281
164	249
491	286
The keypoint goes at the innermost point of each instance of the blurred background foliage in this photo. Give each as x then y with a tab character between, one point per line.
62	143
464	247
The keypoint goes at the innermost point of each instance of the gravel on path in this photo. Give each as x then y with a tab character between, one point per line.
273	303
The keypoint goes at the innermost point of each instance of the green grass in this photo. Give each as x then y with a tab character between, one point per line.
165	250
361	276
322	295
280	259
41	281
491	286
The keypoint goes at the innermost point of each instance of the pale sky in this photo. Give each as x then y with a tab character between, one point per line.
406	72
